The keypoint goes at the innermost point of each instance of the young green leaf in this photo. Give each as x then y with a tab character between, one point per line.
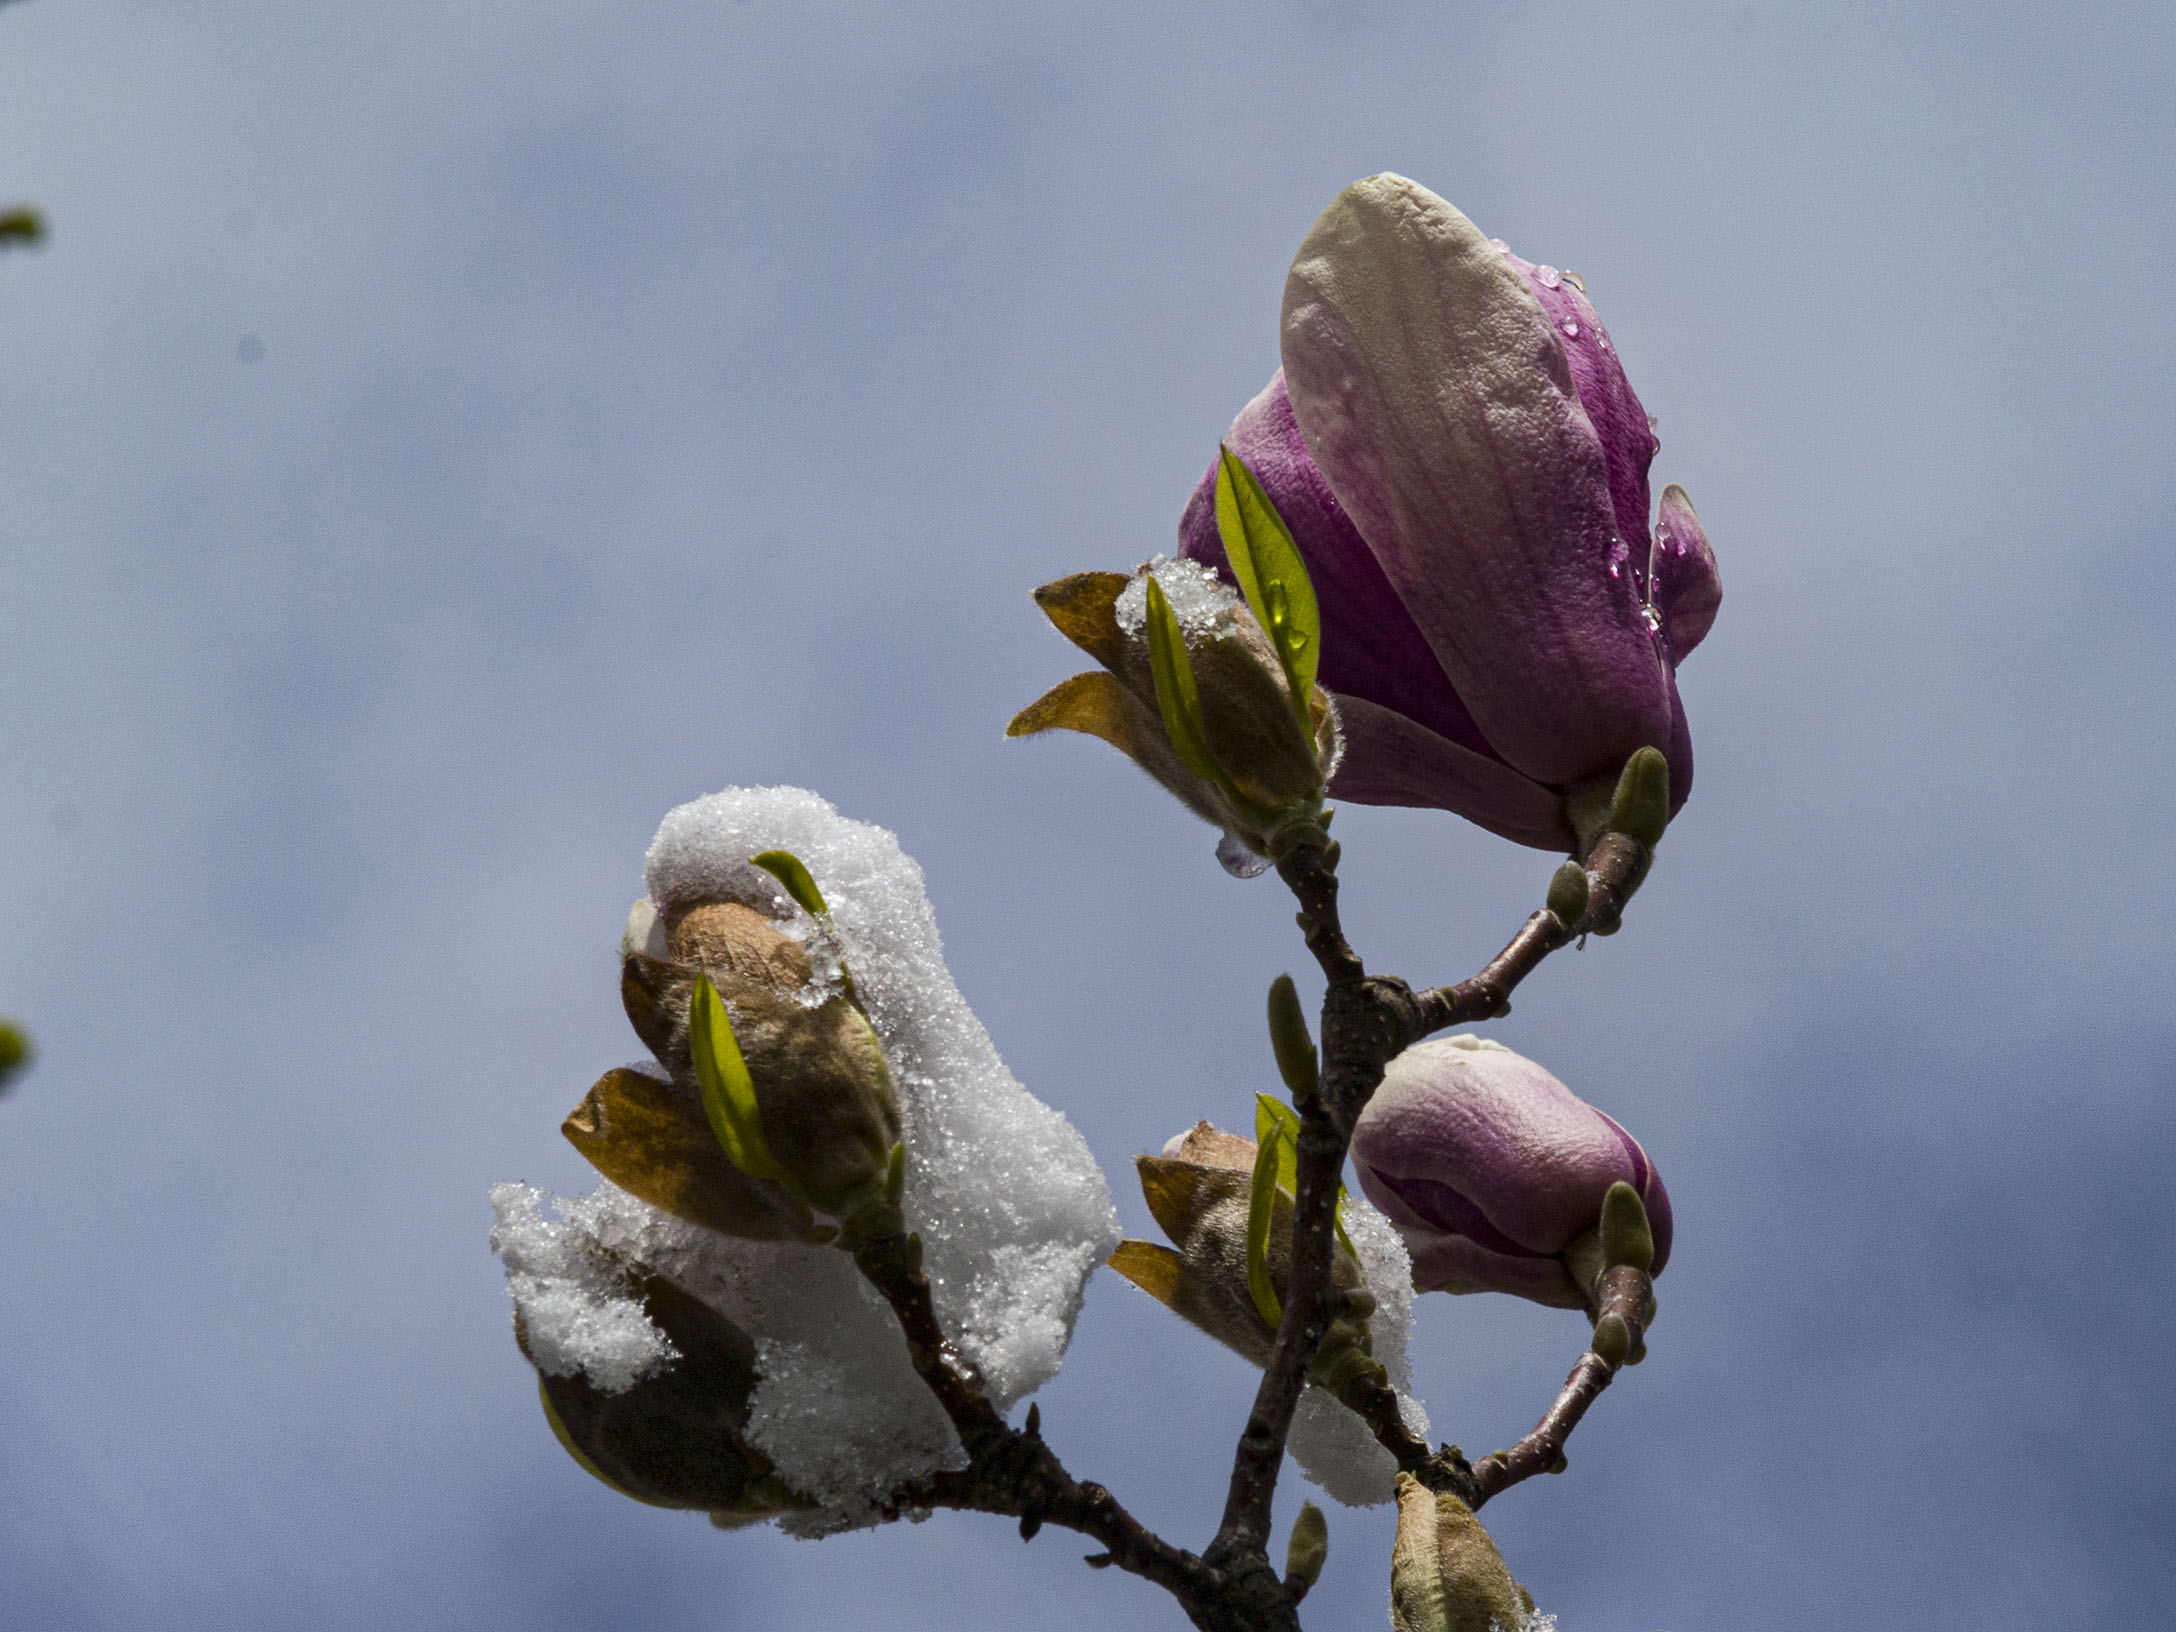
1180	703
1271	575
789	870
1261	1208
1275	1114
729	1093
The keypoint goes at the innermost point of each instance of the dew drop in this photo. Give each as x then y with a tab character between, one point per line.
1499	246
1238	860
1550	277
1653	424
1652	618
1619	554
1571	327
1602	339
1575	280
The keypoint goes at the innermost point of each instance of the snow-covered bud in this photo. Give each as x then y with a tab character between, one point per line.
1197	694
1445	1573
1496	1174
674	1438
820	1125
1200	1193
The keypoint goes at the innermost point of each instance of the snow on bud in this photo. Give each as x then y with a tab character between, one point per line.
676	1437
1445	1572
1494	1172
1196	693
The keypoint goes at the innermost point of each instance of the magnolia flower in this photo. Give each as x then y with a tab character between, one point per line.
1495	1172
1456	450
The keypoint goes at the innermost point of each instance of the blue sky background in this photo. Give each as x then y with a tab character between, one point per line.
439	439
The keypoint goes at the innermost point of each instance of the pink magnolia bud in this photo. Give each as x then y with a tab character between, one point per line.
1491	1169
1458	454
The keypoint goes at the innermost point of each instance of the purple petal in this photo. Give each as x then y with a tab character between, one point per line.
1435	397
1451	1263
1687	586
1628	441
1389	760
1371	647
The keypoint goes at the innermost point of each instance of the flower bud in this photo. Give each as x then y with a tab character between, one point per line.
1219	728
1199	1193
676	1437
1445	1572
825	1114
1493	1170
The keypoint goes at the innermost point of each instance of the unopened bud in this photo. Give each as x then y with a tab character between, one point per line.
1445	1572
1201	1194
1197	694
677	1437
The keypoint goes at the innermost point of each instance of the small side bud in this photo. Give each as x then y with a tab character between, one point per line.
1626	1236
1297	1061
1568	894
1640	808
1612	1340
1307	1550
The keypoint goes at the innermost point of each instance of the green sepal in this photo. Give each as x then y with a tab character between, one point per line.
1297	1061
581	1457
1640	808
1272	576
729	1093
1627	1237
1260	1209
1307	1549
1273	1119
790	871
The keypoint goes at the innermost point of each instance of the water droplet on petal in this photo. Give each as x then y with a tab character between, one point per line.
1619	554
1575	280
1652	618
1499	246
1653	424
1601	338
1550	277
1238	860
1571	327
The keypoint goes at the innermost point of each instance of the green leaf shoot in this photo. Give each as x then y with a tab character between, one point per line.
1176	696
790	871
1274	1118
729	1093
1272	576
1261	1208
